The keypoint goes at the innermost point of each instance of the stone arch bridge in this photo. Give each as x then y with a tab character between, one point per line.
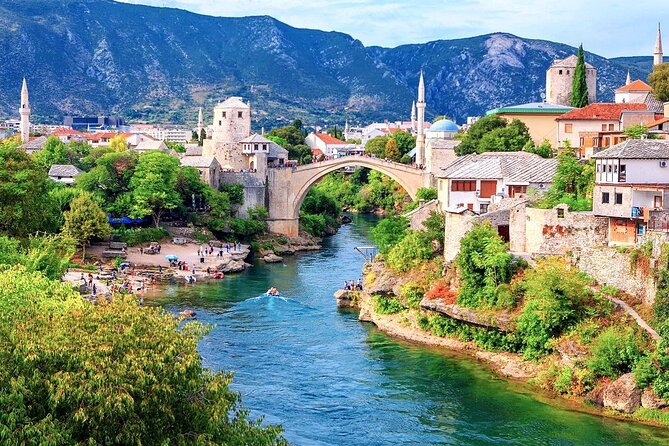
287	187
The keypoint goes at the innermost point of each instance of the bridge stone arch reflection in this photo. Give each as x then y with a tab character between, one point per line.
288	187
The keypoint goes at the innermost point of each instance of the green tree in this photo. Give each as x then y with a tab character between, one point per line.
636	131
336	132
290	133
440	117
203	136
391	151
579	86
53	152
573	183
118	143
153	186
377	146
118	374
25	204
544	150
659	80
110	179
512	137
301	153
404	140
84	221
471	139
176	146
234	191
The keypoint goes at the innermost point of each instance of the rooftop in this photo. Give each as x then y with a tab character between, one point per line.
63	170
637	85
601	111
637	149
256	138
569	62
151	145
444	125
327	139
532	107
233	102
512	166
198	161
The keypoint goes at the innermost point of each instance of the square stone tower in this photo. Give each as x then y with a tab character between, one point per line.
560	76
232	124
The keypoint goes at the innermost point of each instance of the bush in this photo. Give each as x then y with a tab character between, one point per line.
313	224
411	251
483	264
563	381
387	305
412	294
388	233
556	298
134	237
247	228
235	192
442	290
615	352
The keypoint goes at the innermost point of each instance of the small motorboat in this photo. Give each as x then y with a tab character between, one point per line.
272	292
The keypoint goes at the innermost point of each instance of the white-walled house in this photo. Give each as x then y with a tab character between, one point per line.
328	145
632	188
475	181
63	173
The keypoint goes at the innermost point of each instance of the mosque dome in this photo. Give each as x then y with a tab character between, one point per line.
444	125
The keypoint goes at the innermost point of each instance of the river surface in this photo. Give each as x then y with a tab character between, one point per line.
332	380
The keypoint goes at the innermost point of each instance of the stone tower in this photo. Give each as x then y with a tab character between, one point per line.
25	113
413	116
420	136
560	76
232	123
657	54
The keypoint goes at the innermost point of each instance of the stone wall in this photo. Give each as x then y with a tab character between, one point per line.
254	190
420	214
554	231
457	225
609	266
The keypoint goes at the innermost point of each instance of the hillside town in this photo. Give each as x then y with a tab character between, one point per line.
533	239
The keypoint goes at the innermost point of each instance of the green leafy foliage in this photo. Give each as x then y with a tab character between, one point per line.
544	150
659	80
476	132
319	212
387	305
48	255
84	221
234	191
388	232
615	351
138	236
410	252
110	179
512	137
77	373
153	186
483	264
556	298
53	152
573	184
391	151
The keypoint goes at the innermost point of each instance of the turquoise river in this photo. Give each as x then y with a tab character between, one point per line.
332	380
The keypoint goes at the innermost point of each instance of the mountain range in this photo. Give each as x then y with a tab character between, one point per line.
101	57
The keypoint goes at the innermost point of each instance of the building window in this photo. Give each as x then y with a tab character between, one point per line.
560	72
560	213
619	198
240	114
568	128
255	146
483	208
223	114
611	127
605	197
610	168
603	127
599	167
220	122
567	71
607	141
463	186
615	168
622	176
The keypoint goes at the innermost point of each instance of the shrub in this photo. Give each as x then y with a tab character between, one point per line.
387	305
556	297
389	232
134	237
313	224
563	380
410	252
483	263
615	351
442	290
412	294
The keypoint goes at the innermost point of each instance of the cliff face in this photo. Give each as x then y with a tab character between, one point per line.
103	57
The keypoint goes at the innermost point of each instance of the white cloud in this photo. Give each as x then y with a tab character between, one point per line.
610	28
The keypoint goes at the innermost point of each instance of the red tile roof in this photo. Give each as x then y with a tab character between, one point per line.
327	139
62	131
316	152
601	111
657	122
637	85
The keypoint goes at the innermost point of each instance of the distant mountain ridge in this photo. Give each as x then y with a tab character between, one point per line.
160	64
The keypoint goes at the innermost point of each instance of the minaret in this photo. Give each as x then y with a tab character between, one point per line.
25	113
629	79
657	55
200	124
346	129
413	116
420	137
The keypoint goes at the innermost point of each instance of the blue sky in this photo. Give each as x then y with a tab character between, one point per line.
609	28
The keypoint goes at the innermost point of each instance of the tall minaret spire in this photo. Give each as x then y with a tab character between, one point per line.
420	137
657	54
629	79
413	117
200	124
24	111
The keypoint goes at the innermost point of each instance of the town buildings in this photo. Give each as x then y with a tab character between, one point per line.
326	145
539	117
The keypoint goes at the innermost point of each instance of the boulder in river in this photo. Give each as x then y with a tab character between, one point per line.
650	400
230	264
187	314
622	394
272	258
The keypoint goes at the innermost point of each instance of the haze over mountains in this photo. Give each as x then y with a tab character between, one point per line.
158	64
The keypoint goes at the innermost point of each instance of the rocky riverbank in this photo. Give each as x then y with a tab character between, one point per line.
619	398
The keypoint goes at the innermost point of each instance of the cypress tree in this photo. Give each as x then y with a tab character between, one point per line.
579	86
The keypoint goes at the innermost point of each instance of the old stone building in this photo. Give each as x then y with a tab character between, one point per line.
232	124
559	78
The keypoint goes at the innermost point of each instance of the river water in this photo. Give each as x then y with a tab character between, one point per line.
332	380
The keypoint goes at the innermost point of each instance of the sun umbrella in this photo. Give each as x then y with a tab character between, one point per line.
172	258
125	265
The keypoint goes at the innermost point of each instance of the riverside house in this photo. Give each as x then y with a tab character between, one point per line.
475	181
632	189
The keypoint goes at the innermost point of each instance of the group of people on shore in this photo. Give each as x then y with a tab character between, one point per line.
208	250
353	285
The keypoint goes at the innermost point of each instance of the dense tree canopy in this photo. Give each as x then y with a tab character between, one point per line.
85	220
493	133
659	80
153	186
579	87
